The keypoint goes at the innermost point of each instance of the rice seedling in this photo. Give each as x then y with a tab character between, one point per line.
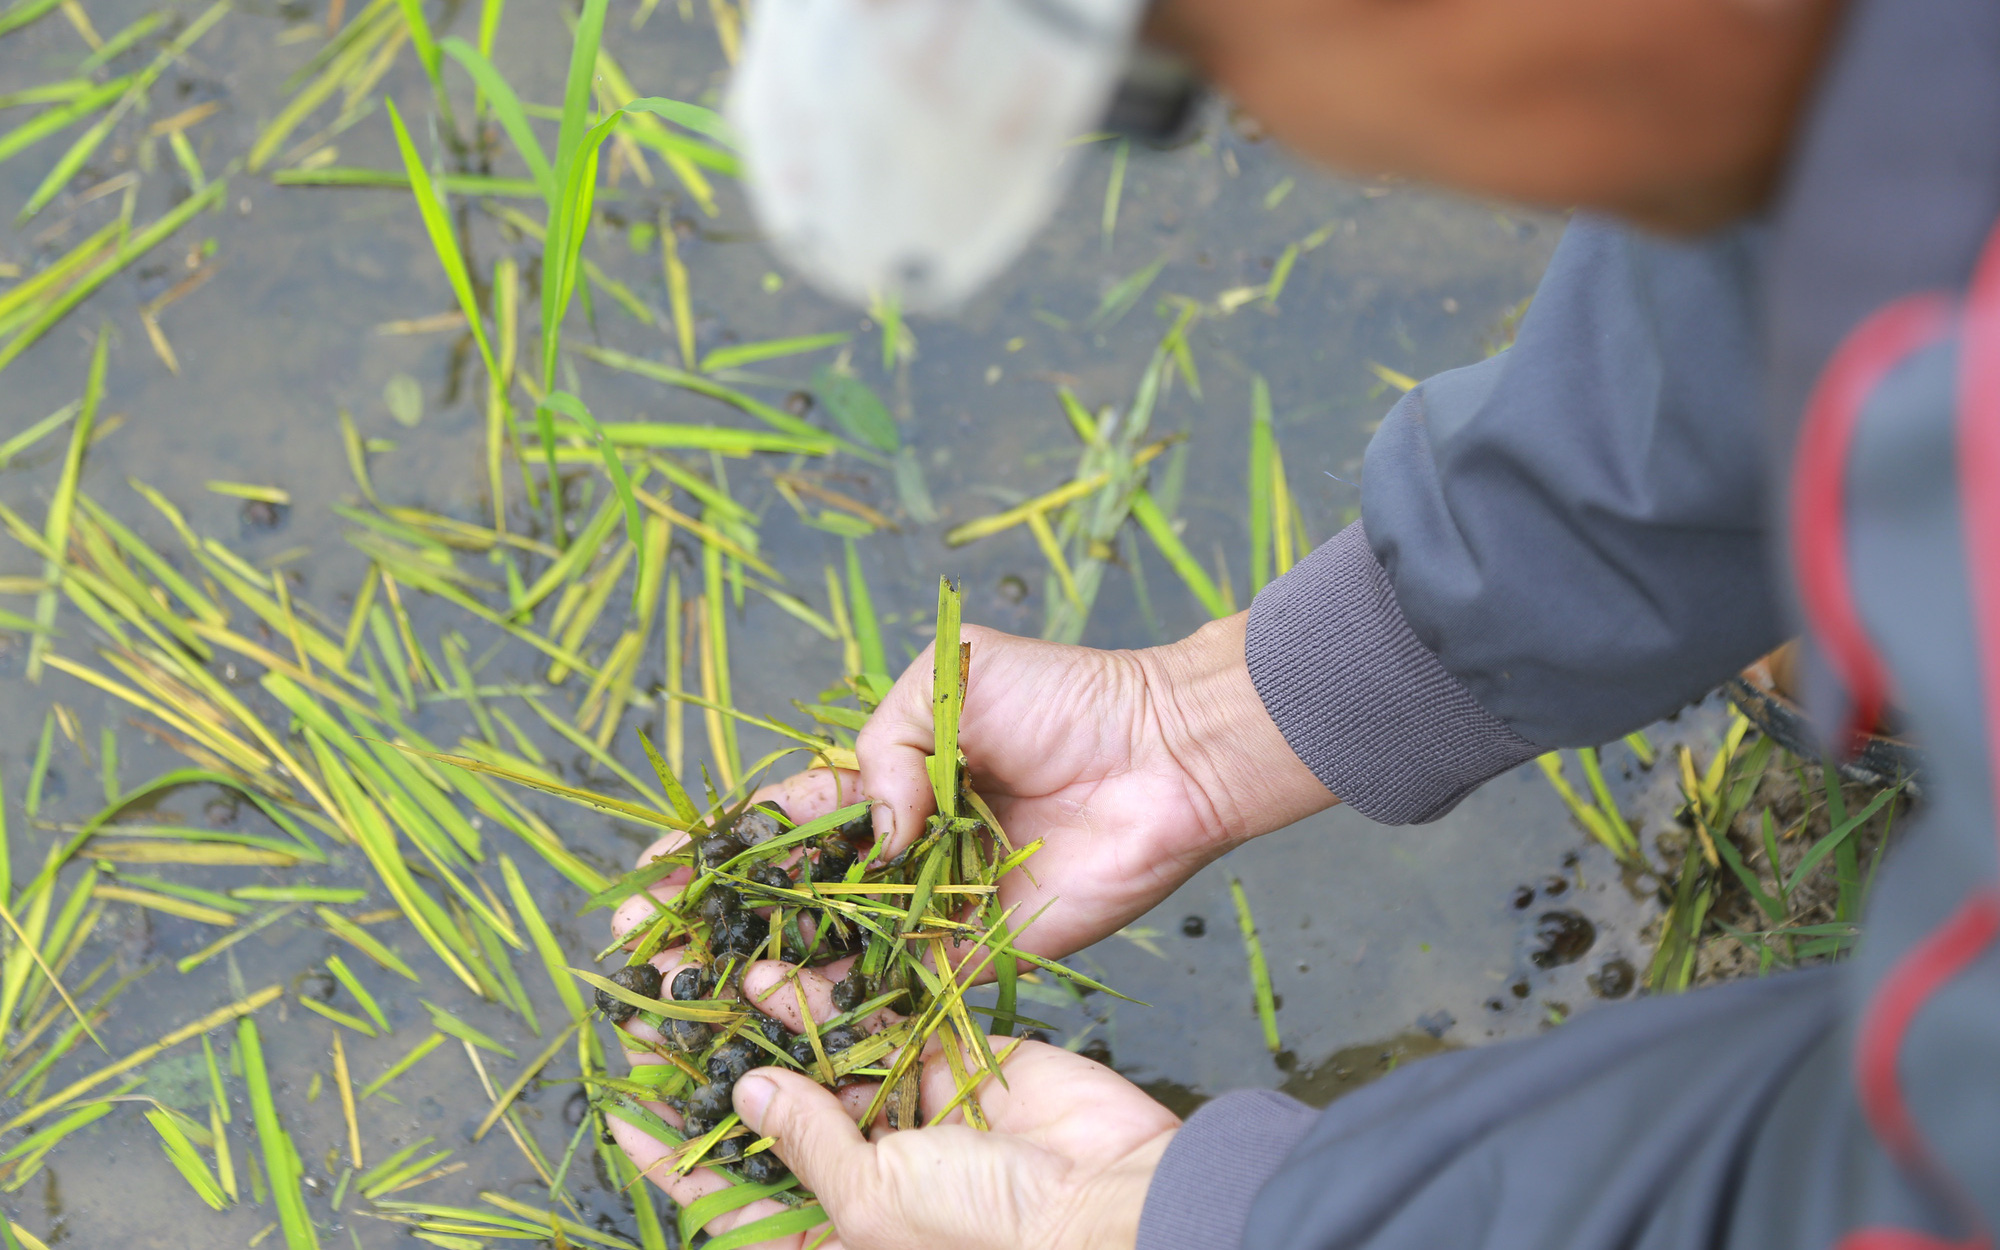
1762	867
1601	817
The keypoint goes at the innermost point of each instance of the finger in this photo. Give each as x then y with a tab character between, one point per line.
893	748
668	962
769	985
812	1132
804	796
638	910
812	794
654	1160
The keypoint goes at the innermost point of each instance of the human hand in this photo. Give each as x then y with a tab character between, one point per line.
1067	1161
1136	768
765	985
1065	1164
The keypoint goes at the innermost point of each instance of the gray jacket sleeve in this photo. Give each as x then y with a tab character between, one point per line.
1558	544
1848	1106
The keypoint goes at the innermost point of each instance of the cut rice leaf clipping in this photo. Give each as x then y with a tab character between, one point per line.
698	1214
1260	972
187	1160
281	1158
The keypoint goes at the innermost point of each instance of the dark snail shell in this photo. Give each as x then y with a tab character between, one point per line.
843	1038
837	939
852	990
717	849
835	858
732	1059
692	982
762	1168
690	1036
640	979
859	829
728	1149
760	824
718	904
706	1107
771	877
742	934
774	1031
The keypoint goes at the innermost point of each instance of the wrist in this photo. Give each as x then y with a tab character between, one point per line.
1211	720
1108	1206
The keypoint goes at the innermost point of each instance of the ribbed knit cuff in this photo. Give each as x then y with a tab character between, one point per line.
1201	1195
1364	704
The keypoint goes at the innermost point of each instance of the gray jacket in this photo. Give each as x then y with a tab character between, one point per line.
1565	542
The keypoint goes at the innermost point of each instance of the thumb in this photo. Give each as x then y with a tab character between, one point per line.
893	748
812	1132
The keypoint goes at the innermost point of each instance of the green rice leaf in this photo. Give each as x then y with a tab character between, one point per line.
858	409
352	984
604	803
705	122
367	943
437	224
707	1012
783	1224
947	701
453	184
1262	444
544	940
80	151
408	1061
697	1214
448	1023
778	419
1161	531
1260	972
22	12
44	124
737	355
621	482
867	630
507	108
676	793
281	1158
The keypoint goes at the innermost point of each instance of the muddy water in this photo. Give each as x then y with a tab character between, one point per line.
1384	944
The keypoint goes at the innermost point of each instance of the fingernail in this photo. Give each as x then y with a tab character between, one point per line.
753	1097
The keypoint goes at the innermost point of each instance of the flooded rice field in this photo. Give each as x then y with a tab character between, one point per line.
284	336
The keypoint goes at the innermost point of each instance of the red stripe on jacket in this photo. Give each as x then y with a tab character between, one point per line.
1818	517
1819	491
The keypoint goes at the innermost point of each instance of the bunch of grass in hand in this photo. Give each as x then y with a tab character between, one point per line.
918	927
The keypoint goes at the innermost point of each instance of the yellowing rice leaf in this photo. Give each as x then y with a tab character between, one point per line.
166	904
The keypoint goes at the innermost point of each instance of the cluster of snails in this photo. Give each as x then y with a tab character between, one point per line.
729	934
